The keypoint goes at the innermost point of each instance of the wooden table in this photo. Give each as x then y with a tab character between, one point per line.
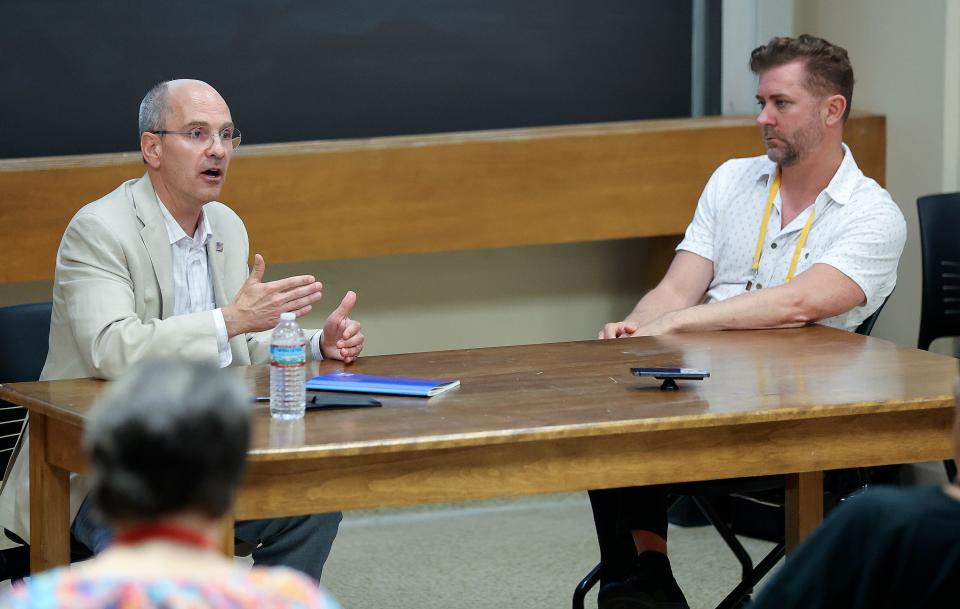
561	417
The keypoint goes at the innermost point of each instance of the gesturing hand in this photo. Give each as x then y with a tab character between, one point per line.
342	338
257	306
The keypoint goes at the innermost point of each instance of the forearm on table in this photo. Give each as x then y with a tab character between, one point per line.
769	308
655	303
683	286
787	306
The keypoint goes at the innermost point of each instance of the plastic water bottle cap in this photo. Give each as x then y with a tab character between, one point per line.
288	316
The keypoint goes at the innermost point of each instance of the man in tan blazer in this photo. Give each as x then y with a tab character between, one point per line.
159	268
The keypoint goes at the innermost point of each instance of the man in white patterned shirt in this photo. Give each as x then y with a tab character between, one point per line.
795	237
158	268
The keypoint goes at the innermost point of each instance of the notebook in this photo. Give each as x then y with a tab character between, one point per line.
367	383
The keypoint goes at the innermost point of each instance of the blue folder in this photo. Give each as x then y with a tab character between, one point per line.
366	383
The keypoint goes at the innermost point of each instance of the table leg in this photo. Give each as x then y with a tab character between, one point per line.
227	535
804	509
49	504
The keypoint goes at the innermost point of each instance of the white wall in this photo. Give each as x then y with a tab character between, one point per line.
746	25
951	108
899	55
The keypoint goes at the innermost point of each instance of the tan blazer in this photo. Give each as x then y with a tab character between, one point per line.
113	288
113	305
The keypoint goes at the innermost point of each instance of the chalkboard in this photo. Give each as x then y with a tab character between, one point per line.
73	72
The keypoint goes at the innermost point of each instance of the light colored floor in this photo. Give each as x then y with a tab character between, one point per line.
528	552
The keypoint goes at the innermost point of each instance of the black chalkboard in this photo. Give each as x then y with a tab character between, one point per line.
72	72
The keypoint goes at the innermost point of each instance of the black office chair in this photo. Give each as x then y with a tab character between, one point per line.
704	496
25	329
25	332
23	349
940	248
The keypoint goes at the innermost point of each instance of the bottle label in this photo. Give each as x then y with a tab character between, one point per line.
287	356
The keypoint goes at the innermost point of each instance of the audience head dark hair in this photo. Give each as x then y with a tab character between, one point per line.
169	436
827	65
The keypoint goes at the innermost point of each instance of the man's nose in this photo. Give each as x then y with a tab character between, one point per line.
217	147
764	119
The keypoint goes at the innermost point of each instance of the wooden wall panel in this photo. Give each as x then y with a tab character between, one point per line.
414	194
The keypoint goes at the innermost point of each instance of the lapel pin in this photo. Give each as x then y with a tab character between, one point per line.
219	246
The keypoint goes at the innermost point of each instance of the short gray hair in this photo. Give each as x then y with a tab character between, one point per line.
169	436
153	108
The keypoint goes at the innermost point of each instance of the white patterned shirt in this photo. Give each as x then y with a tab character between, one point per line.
858	230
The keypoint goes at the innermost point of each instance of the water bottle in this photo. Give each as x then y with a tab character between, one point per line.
288	362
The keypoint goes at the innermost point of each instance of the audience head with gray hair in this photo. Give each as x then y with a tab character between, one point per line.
167	445
169	437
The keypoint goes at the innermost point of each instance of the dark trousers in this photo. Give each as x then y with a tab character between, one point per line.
299	542
619	511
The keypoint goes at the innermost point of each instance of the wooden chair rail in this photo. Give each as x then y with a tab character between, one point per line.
416	194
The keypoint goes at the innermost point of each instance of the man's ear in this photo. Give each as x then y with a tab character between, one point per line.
835	106
150	148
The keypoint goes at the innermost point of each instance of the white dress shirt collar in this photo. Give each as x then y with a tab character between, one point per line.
176	232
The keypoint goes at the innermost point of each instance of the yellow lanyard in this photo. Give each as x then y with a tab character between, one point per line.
774	189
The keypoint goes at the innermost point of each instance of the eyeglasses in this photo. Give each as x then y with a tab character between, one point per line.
202	136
